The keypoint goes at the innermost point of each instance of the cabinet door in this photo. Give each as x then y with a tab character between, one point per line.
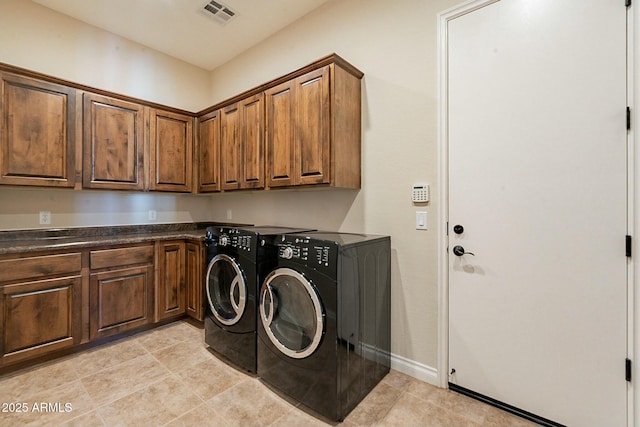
230	148
171	142
279	105
193	279
313	125
113	144
252	142
170	288
39	317
37	122
120	300
208	158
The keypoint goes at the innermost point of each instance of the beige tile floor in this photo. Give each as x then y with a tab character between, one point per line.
167	377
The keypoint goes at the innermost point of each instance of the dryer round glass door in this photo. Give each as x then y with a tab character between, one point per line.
226	289
291	313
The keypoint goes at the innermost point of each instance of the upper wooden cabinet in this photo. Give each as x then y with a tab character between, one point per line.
208	152
113	143
312	128
281	154
252	137
230	150
171	148
313	131
300	129
38	135
242	144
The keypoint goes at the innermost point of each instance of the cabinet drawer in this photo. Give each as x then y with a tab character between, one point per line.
36	267
122	256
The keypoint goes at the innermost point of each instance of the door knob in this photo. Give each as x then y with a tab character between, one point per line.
459	251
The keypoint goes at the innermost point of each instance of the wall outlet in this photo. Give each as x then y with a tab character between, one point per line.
45	217
229	214
153	215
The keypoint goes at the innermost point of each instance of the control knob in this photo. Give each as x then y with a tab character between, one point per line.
287	253
224	240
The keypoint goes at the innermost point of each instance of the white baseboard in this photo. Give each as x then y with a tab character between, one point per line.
415	369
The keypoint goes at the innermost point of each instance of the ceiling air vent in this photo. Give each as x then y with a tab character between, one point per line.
218	11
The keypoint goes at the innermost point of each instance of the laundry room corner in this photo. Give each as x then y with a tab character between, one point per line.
399	127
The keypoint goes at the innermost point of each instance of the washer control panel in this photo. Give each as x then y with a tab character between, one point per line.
237	239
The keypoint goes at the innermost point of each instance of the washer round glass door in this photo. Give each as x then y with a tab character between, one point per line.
226	289
291	313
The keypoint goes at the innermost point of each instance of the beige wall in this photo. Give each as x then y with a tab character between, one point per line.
396	49
20	207
395	46
36	38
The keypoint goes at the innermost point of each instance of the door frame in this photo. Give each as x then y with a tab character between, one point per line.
633	198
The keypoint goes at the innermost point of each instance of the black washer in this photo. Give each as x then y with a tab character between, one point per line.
237	257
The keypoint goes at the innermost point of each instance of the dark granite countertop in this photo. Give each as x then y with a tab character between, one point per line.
22	241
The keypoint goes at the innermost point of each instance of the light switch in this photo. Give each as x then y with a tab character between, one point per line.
421	220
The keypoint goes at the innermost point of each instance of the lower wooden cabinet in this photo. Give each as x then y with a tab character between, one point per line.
120	290
53	301
194	276
40	305
39	317
179	288
170	288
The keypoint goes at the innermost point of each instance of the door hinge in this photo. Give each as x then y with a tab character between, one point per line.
628	246
627	369
627	3
628	118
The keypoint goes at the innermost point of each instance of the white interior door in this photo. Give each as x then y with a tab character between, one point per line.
538	179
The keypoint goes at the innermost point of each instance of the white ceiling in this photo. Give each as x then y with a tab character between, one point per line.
177	28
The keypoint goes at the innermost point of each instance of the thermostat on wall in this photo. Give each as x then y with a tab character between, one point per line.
420	193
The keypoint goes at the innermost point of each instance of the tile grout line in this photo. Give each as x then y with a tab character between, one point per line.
94	408
111	402
135	389
395	402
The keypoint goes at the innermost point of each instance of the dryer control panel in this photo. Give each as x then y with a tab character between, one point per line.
317	254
